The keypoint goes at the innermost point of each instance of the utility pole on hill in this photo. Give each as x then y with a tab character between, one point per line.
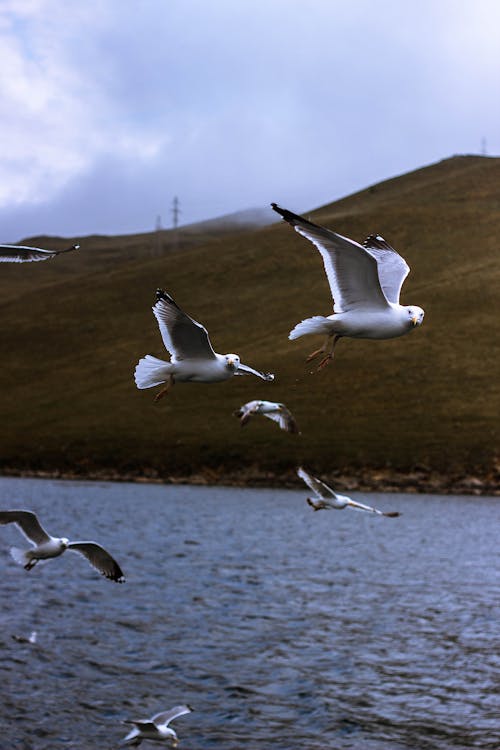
175	220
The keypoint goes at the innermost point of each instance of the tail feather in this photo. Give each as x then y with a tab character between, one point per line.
132	737
151	371
19	555
318	324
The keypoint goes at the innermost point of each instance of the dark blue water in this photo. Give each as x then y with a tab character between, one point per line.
282	627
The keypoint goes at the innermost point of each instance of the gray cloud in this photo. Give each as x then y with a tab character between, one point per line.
117	107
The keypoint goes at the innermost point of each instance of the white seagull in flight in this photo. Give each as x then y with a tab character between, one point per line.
270	409
156	728
192	358
24	254
327	499
365	282
45	546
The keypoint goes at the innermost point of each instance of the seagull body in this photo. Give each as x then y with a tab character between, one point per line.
326	499
25	254
193	359
365	282
46	547
271	409
157	728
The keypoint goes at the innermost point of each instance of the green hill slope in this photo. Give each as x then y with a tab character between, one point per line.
74	328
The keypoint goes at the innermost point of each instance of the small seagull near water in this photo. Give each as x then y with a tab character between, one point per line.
23	639
193	359
45	546
157	728
24	254
365	282
270	409
327	499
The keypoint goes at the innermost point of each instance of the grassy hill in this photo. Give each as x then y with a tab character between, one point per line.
73	329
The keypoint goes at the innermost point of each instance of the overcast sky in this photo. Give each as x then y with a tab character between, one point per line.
110	108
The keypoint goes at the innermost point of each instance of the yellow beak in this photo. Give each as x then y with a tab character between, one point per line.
414	320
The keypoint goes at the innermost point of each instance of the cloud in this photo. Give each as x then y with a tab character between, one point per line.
111	109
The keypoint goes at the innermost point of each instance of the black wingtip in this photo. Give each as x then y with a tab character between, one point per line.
290	217
163	296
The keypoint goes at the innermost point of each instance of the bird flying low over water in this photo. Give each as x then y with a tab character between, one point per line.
326	499
270	409
24	254
192	359
45	546
156	728
365	282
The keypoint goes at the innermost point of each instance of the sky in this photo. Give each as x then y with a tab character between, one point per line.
111	108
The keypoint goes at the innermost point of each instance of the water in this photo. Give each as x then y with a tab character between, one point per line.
282	627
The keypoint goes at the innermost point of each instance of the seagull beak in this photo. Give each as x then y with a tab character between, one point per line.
414	320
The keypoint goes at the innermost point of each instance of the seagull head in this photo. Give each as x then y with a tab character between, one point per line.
64	543
232	362
416	315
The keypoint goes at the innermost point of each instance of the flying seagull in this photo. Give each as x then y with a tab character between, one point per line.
365	282
271	409
192	357
326	499
24	254
46	546
155	728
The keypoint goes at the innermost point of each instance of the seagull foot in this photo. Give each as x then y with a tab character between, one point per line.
164	391
315	354
324	362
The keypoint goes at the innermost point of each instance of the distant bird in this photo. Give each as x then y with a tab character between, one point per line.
46	546
327	499
192	357
365	282
23	639
156	728
24	254
271	409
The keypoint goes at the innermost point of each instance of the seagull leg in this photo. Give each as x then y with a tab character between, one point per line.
168	387
321	350
31	563
329	350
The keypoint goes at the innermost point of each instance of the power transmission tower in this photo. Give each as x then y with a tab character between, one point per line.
484	151
175	221
175	212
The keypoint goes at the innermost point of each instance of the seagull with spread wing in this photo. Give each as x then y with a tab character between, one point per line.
25	254
45	546
326	499
270	409
365	282
192	359
156	728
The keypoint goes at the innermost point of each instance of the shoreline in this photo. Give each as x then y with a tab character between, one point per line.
368	480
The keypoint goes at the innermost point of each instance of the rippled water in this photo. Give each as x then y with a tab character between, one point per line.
284	628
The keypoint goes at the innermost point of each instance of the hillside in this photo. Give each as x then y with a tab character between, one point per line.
74	328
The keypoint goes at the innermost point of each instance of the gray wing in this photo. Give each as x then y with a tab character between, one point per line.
166	717
182	336
350	269
360	506
392	268
246	370
25	254
284	418
246	411
27	522
319	488
100	559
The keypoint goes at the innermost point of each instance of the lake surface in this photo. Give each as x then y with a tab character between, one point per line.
282	627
